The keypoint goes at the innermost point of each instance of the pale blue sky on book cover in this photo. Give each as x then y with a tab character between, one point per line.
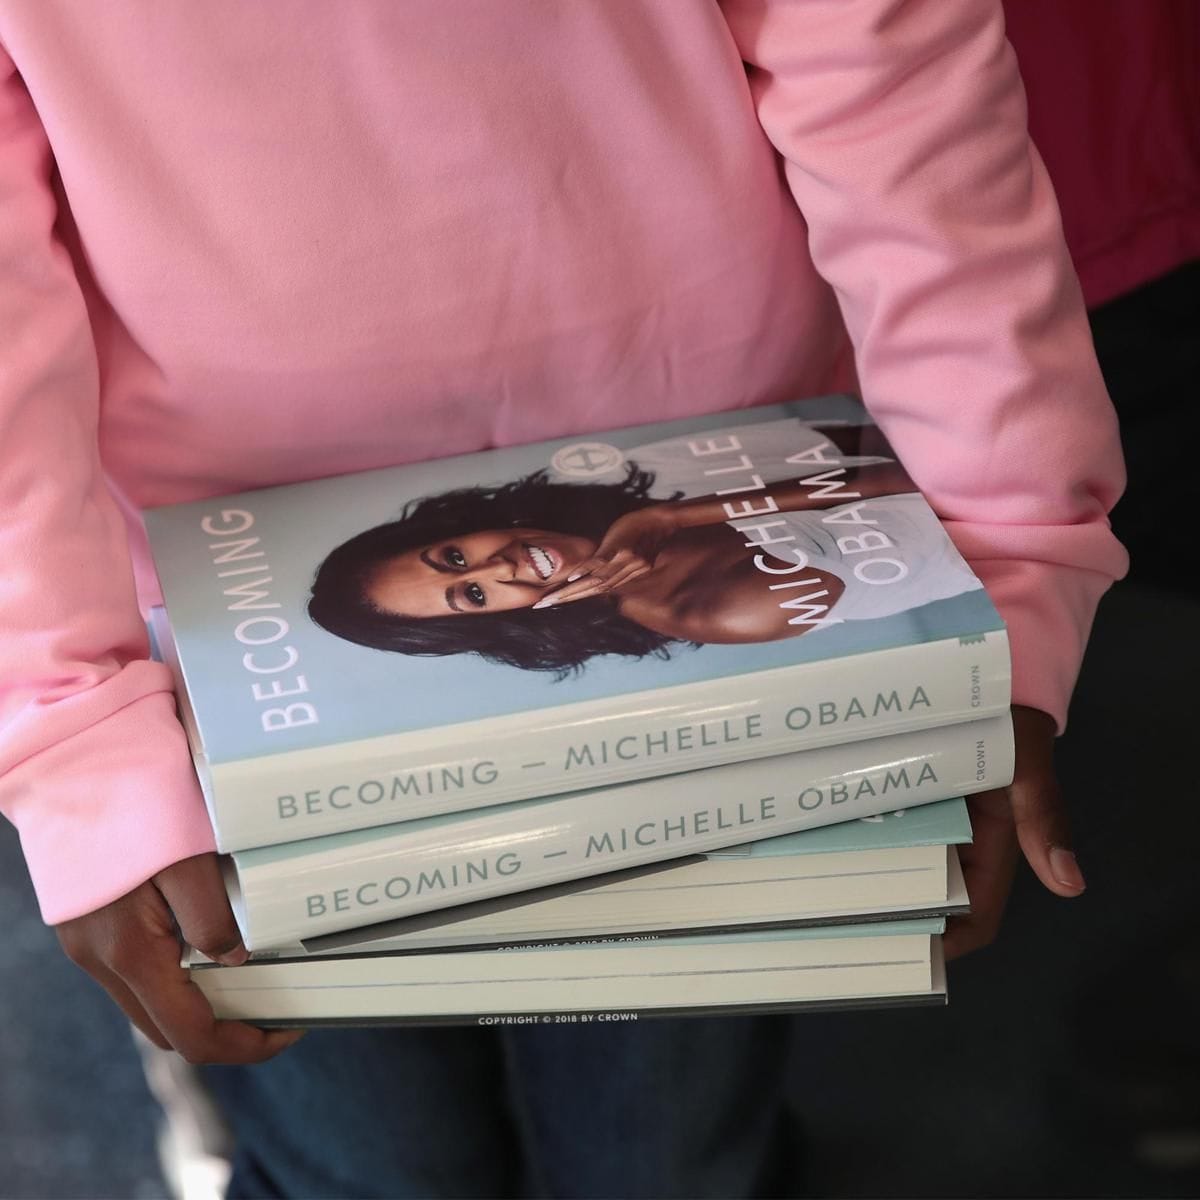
362	692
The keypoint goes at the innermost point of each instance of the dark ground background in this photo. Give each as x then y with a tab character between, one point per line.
1068	1062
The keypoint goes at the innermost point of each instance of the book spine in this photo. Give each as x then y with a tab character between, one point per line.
507	988
751	1008
308	793
287	894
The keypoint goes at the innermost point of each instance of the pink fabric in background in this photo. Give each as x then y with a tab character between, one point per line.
1114	108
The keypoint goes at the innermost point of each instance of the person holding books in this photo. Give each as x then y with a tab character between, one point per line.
241	249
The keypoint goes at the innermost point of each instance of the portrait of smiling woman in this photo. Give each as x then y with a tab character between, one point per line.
771	531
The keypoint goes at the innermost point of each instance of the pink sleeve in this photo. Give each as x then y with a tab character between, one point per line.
903	129
94	769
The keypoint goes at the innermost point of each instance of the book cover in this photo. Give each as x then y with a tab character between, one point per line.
614	980
393	644
293	891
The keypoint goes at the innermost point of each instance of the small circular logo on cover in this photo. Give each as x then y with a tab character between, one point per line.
584	460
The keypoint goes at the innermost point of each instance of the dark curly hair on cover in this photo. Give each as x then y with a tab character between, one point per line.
558	640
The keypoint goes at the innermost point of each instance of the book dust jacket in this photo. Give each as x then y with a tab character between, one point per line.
547	618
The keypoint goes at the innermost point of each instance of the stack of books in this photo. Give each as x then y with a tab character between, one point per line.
587	729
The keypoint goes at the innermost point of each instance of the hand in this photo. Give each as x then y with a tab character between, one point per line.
131	949
1030	815
626	553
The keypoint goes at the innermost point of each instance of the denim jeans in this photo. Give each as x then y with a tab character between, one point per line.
654	1108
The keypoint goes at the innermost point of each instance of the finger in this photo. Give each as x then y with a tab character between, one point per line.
600	563
613	545
150	968
605	576
128	1003
989	863
83	952
1038	807
603	564
131	948
614	577
586	567
195	893
566	593
182	1012
599	570
589	585
1042	830
584	590
635	570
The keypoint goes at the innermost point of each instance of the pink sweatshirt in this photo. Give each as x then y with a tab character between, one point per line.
245	244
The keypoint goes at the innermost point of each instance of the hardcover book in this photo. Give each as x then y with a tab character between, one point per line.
516	623
298	890
898	865
775	970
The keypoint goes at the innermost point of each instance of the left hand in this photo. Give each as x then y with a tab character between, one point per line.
1030	816
131	948
627	552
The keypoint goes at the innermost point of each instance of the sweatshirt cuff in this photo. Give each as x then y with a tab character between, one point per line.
103	811
1048	609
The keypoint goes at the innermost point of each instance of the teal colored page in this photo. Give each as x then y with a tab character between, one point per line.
943	823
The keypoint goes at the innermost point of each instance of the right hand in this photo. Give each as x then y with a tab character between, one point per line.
627	552
130	947
1029	816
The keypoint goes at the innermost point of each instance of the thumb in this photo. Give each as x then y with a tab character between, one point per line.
1038	808
195	892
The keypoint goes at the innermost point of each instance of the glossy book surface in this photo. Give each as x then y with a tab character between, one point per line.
380	646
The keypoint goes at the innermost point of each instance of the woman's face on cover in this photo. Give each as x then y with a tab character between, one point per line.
491	570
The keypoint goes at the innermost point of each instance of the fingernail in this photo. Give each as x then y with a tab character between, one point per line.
543	604
234	957
1065	869
572	578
